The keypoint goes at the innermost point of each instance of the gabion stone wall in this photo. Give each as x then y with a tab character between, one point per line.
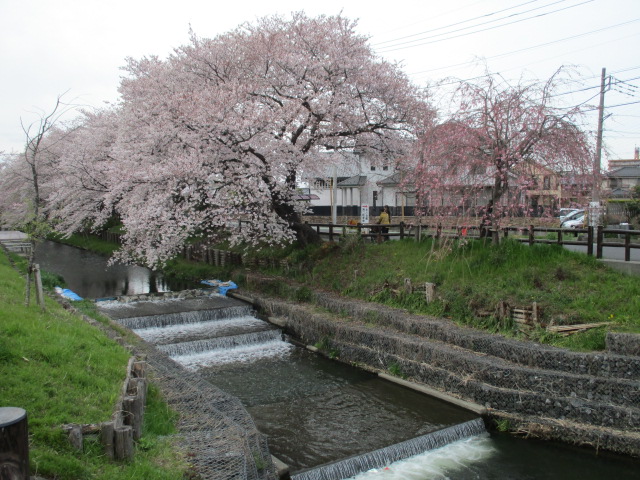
215	431
582	398
623	343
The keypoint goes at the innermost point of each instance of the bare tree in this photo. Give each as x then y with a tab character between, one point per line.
36	158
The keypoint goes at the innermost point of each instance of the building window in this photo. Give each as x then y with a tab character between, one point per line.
322	184
373	168
386	167
546	183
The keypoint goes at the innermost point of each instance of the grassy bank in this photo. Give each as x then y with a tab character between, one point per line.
471	279
62	370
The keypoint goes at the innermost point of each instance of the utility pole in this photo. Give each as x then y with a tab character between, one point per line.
595	196
595	209
334	196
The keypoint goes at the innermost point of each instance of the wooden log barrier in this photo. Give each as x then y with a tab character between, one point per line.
14	444
123	443
107	435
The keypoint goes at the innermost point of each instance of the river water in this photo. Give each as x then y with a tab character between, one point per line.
327	396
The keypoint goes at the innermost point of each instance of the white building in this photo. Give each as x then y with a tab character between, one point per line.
357	182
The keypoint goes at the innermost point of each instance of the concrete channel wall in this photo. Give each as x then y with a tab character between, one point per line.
546	392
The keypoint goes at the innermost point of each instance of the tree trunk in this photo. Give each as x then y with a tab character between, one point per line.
304	233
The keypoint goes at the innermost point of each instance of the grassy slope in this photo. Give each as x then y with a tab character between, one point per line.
570	288
61	370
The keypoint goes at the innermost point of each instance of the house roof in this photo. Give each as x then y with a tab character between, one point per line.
355	181
620	193
633	171
390	181
306	196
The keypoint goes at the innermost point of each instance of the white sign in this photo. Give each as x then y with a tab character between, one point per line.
364	213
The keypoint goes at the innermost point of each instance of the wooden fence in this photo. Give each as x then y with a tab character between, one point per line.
593	238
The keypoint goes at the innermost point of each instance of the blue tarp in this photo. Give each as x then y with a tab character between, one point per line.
68	294
223	287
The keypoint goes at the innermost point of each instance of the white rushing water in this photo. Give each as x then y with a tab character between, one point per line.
239	354
438	464
163	334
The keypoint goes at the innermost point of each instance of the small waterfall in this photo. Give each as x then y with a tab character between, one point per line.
178	318
198	346
195	331
385	456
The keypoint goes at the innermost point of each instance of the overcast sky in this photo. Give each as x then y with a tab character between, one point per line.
48	47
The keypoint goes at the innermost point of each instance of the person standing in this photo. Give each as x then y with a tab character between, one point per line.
384	219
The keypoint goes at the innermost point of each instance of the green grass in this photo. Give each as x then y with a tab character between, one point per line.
87	242
61	370
473	277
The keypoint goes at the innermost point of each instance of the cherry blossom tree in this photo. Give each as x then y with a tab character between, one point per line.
222	129
496	143
78	197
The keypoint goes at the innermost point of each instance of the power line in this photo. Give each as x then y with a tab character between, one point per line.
513	52
394	48
460	23
614	106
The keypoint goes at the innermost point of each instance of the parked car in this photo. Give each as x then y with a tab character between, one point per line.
575	222
563	213
571	216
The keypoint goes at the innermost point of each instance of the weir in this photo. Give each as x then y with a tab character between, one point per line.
351	467
316	412
219	343
196	331
182	318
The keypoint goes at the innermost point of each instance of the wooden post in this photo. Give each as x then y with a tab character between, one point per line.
139	369
504	311
429	292
133	414
75	437
38	280
599	240
14	444
531	235
407	285
419	232
590	240
107	432
627	247
123	440
331	232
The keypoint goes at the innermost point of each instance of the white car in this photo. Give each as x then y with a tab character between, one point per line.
571	216
563	213
575	222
